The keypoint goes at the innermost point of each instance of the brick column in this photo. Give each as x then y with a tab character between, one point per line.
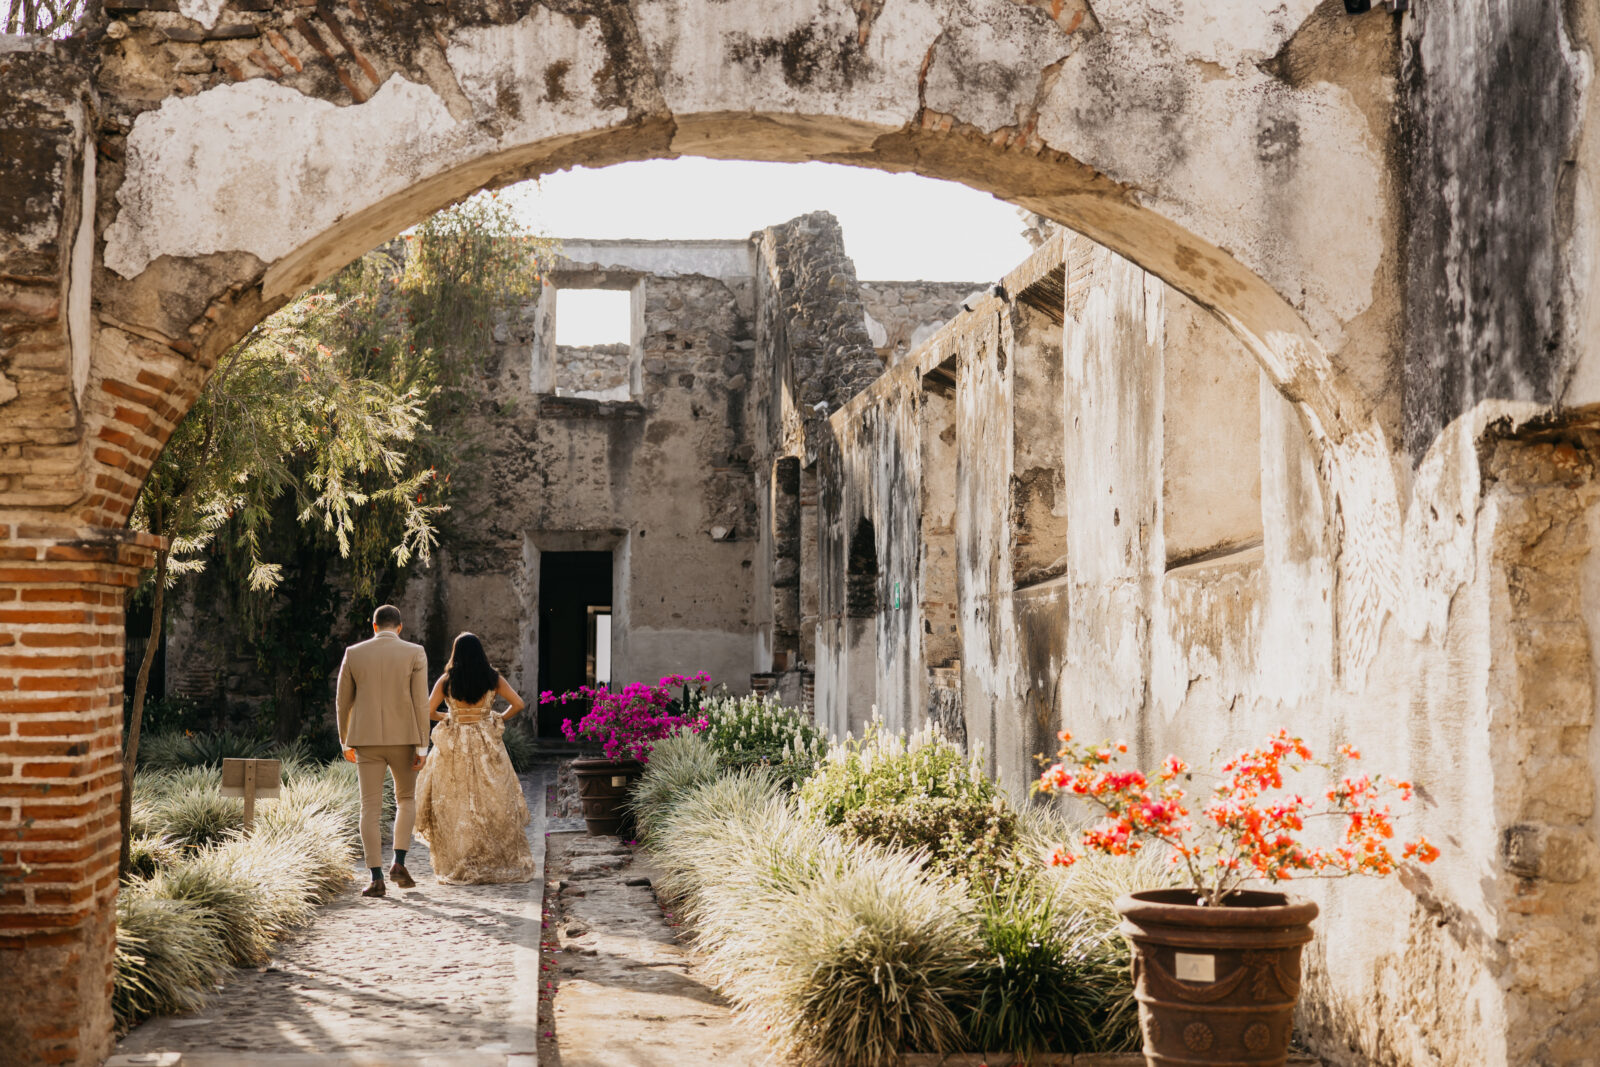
62	591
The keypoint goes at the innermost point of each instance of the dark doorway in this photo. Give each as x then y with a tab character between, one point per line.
574	587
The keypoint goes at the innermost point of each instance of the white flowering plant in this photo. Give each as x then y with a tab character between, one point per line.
758	730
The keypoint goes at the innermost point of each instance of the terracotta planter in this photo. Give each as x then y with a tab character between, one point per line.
1216	986
603	786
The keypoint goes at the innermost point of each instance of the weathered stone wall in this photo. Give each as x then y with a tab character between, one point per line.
1393	215
902	315
1491	712
664	481
600	372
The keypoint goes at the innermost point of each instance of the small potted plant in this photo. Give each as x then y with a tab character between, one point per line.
1216	966
626	725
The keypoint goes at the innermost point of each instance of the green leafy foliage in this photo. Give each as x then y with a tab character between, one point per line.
962	835
920	793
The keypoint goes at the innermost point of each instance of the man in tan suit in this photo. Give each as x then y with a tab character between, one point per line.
383	723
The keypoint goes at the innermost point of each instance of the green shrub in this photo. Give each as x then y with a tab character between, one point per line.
677	764
1083	899
174	750
922	794
194	815
751	730
959	836
168	955
1033	991
520	746
211	882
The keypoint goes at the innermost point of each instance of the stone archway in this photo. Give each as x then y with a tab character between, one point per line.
198	162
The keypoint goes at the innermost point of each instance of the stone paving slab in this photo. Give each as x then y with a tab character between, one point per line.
332	1059
445	975
1049	1059
629	992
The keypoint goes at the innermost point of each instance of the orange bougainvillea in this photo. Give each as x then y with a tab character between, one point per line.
1251	826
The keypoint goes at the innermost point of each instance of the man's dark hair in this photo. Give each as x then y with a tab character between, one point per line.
387	617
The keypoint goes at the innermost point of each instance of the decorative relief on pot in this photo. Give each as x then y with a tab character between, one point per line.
1257	1036
1198	1037
1269	966
1152	1027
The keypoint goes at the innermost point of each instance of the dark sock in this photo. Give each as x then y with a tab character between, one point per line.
400	856
377	874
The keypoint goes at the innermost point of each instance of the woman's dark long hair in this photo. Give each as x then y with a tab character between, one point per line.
468	675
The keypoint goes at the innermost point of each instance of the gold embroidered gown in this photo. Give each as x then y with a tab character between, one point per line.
470	807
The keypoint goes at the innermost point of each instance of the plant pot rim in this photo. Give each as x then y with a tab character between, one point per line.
1249	908
598	762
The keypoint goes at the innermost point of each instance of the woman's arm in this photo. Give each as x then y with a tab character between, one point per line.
504	690
436	698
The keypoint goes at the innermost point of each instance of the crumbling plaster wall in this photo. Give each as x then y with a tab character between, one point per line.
1255	161
665	480
1484	957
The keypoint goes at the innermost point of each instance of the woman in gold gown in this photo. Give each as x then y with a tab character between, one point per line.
470	807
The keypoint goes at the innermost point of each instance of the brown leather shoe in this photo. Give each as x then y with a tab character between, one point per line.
401	877
376	889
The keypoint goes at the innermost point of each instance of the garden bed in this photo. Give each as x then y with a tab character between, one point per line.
884	896
205	896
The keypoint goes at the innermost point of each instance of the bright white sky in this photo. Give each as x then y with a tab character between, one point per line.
897	227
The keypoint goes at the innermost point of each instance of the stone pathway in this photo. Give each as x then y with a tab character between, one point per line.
445	975
626	990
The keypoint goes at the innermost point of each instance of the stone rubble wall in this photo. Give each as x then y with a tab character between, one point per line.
600	371
902	315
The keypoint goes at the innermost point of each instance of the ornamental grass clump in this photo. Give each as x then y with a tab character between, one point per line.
628	723
703	834
870	960
175	749
186	806
189	912
168	956
920	793
843	952
677	764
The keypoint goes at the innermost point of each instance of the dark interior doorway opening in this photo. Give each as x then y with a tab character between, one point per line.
574	592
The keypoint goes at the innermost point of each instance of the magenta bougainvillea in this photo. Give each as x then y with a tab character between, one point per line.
627	723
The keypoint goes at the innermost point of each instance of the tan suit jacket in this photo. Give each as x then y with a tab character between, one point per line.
383	693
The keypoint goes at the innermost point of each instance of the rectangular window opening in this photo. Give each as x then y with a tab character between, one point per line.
594	343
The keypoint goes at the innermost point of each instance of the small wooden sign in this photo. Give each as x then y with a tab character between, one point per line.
253	779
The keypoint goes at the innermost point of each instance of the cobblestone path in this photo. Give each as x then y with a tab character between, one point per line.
438	974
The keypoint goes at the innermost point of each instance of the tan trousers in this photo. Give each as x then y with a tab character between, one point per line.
371	760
